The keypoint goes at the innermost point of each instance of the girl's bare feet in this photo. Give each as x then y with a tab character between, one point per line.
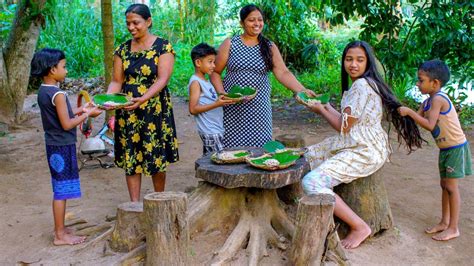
446	235
356	236
436	228
68	239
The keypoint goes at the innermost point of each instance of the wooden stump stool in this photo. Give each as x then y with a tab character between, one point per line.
167	233
367	197
315	238
128	232
291	193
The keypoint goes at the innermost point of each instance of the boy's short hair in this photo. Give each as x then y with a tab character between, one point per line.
202	50
44	60
436	69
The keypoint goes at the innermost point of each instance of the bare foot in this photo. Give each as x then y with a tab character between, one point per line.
446	235
355	237
436	228
68	239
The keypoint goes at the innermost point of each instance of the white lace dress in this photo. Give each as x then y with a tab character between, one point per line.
361	151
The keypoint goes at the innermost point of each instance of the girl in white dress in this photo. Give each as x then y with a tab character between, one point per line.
362	146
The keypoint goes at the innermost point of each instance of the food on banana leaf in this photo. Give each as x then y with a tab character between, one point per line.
303	98
237	156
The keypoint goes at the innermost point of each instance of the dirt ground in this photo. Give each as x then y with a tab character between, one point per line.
26	218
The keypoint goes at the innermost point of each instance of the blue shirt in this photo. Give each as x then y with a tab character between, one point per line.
210	122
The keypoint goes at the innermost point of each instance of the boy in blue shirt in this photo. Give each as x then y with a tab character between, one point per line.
204	103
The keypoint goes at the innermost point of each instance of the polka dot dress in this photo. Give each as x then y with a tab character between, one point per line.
247	124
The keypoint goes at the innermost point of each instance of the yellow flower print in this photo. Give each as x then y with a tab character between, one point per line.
158	108
157	60
135	137
123	141
143	105
121	122
145	70
139	169
151	127
149	147
175	143
131	80
133	118
150	54
142	89
130	94
140	157
169	48
125	64
158	161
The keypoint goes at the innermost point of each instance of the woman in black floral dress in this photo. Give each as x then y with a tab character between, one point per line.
145	133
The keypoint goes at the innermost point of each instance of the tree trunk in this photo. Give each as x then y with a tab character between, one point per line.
313	219
368	198
16	63
129	229
108	35
291	193
167	233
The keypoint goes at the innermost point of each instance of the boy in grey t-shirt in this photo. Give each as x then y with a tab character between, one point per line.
204	103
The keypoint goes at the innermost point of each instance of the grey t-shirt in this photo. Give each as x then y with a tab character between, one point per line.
210	122
54	133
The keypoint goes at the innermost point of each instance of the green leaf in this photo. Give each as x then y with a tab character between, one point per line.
273	146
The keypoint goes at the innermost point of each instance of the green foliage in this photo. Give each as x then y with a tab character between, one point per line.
7	15
406	33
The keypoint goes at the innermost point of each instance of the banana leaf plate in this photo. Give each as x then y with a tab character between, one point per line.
112	101
239	93
224	157
272	162
304	99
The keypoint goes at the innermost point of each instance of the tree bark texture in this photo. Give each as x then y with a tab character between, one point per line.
368	198
17	57
291	193
313	220
253	215
129	229
167	233
108	36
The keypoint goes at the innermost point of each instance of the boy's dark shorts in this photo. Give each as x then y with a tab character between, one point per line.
456	162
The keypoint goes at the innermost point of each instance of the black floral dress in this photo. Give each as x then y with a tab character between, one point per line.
145	138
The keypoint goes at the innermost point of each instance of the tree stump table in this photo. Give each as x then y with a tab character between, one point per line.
241	195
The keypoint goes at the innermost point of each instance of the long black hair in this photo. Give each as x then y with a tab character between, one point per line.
404	125
44	60
140	9
263	42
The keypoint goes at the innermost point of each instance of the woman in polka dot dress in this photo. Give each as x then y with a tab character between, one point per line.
248	58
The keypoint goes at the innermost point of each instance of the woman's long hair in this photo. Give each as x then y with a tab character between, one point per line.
263	42
404	125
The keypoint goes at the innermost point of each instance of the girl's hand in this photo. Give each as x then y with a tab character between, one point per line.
403	111
92	111
136	103
222	102
316	108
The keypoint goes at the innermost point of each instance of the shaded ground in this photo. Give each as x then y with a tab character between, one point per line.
25	199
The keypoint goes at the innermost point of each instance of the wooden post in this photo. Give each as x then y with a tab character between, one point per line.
167	233
128	232
313	220
291	193
368	198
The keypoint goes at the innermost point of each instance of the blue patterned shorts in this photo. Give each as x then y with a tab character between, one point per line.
62	163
